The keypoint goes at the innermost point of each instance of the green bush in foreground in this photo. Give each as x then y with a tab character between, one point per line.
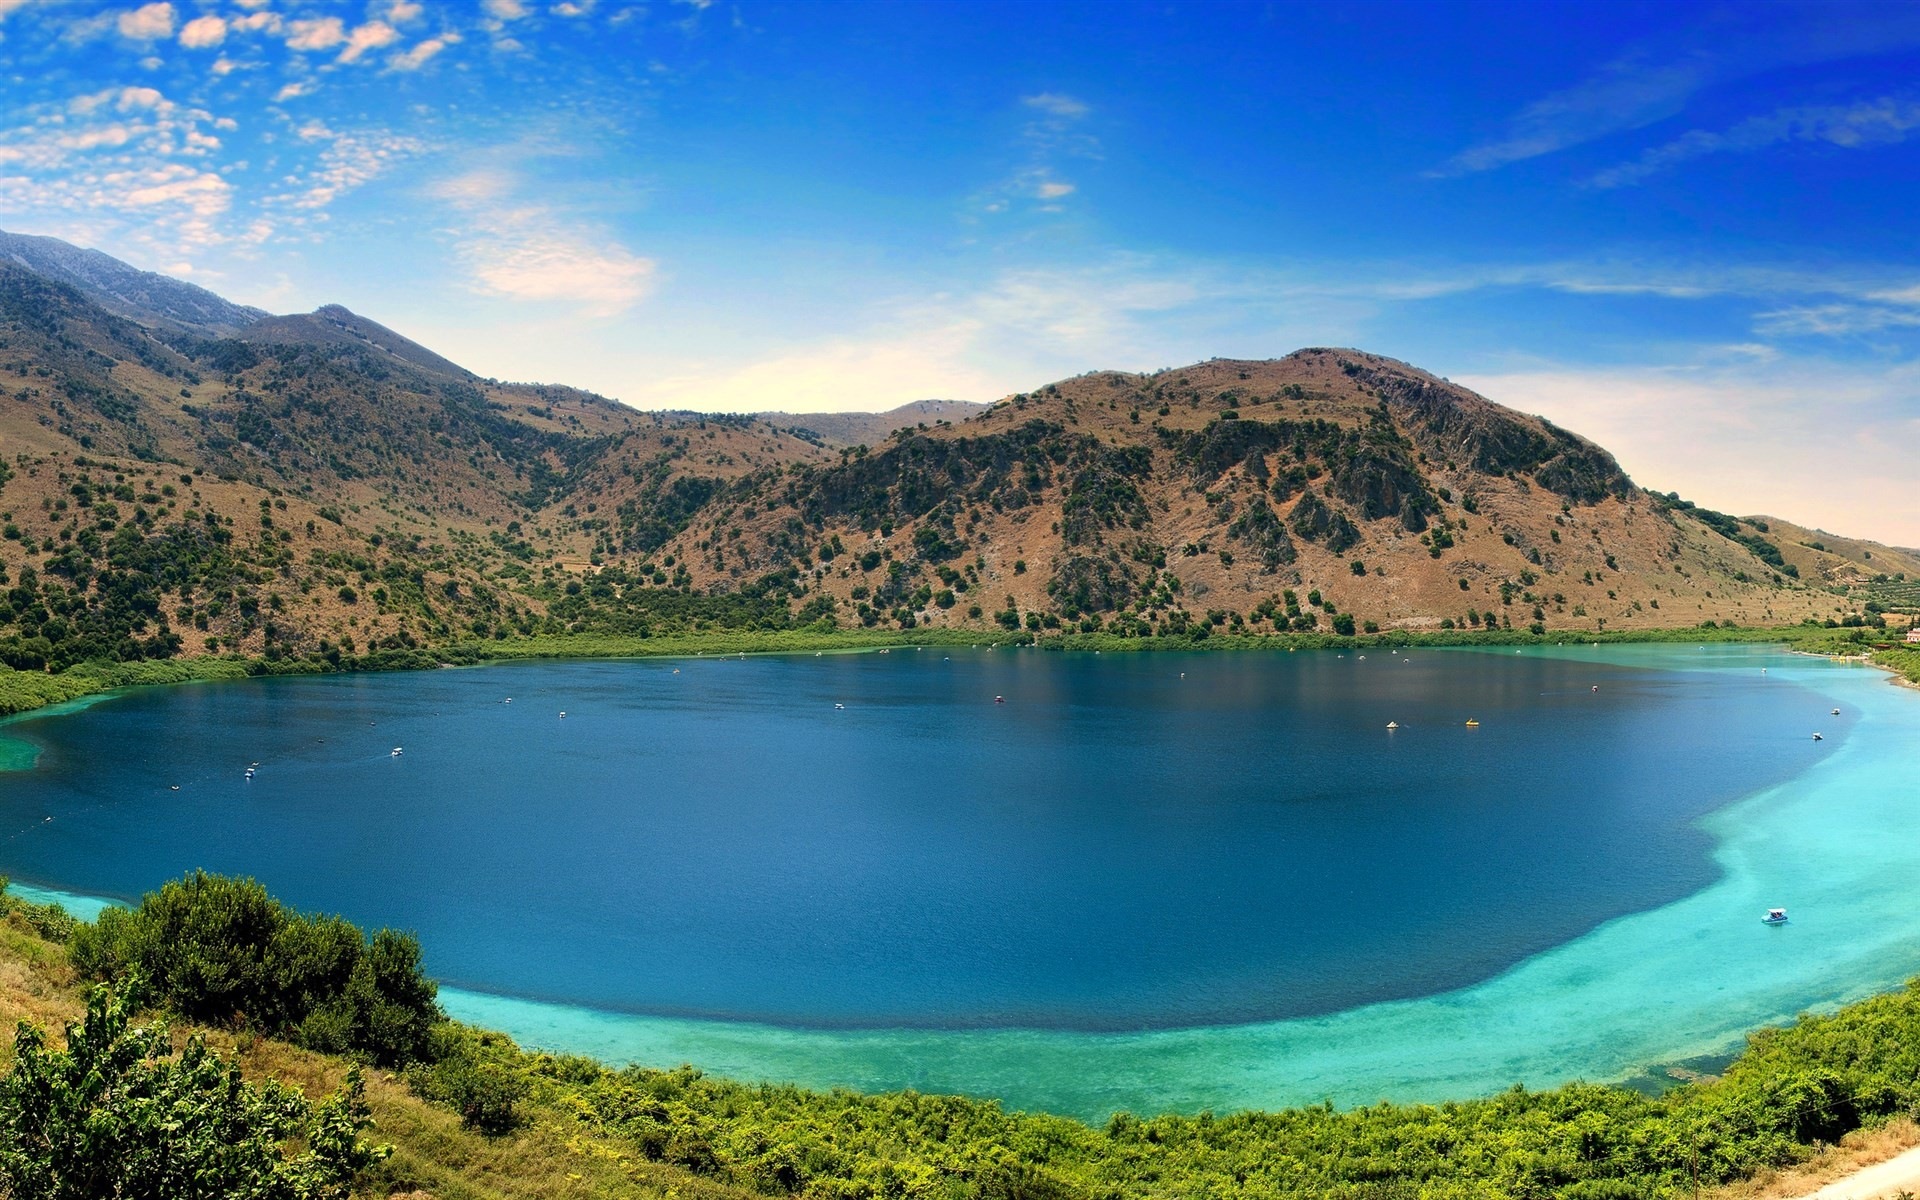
222	951
115	1114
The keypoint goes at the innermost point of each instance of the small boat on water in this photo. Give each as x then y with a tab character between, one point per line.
1393	724
1819	737
1775	916
1472	724
249	772
999	699
1836	712
1596	687
839	706
396	752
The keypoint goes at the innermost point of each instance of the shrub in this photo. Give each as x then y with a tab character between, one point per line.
223	951
116	1114
473	1077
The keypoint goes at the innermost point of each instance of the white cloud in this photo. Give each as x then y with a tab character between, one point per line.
1649	84
294	90
401	11
525	256
371	36
202	33
1054	132
147	23
346	161
1834	320
1057	105
318	33
419	55
256	22
530	251
9	7
505	10
1880	122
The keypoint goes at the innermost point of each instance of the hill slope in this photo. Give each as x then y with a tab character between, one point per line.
870	429
142	295
1237	493
319	485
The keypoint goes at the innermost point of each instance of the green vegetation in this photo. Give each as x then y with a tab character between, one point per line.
221	950
1793	1090
116	1113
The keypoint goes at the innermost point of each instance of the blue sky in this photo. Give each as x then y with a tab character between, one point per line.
1685	230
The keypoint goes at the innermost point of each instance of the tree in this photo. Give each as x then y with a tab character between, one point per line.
116	1114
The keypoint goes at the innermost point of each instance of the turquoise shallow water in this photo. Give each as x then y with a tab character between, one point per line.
1836	844
1688	977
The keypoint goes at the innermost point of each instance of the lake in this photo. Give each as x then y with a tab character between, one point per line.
892	862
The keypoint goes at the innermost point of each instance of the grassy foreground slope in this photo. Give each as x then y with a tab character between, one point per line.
538	1125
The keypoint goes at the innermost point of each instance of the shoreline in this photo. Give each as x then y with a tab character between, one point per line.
1260	1066
24	693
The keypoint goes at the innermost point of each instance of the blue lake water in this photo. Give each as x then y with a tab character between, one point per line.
1142	881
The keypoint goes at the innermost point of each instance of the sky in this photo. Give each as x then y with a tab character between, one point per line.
1685	230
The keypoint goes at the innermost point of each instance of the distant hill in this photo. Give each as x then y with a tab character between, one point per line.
1328	489
870	429
127	291
333	325
317	485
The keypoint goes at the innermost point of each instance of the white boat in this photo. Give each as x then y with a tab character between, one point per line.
396	752
1775	916
1836	712
1393	724
1819	737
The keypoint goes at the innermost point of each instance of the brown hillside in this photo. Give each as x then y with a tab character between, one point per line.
1401	499
320	485
870	429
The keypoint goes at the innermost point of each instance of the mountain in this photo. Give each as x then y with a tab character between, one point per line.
318	485
867	429
1295	492
127	291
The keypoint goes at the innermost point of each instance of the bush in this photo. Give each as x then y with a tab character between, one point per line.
473	1077
115	1114
223	951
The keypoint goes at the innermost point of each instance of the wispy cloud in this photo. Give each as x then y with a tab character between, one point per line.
1834	320
346	160
371	36
129	151
528	250
1053	134
421	53
1868	123
1648	84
